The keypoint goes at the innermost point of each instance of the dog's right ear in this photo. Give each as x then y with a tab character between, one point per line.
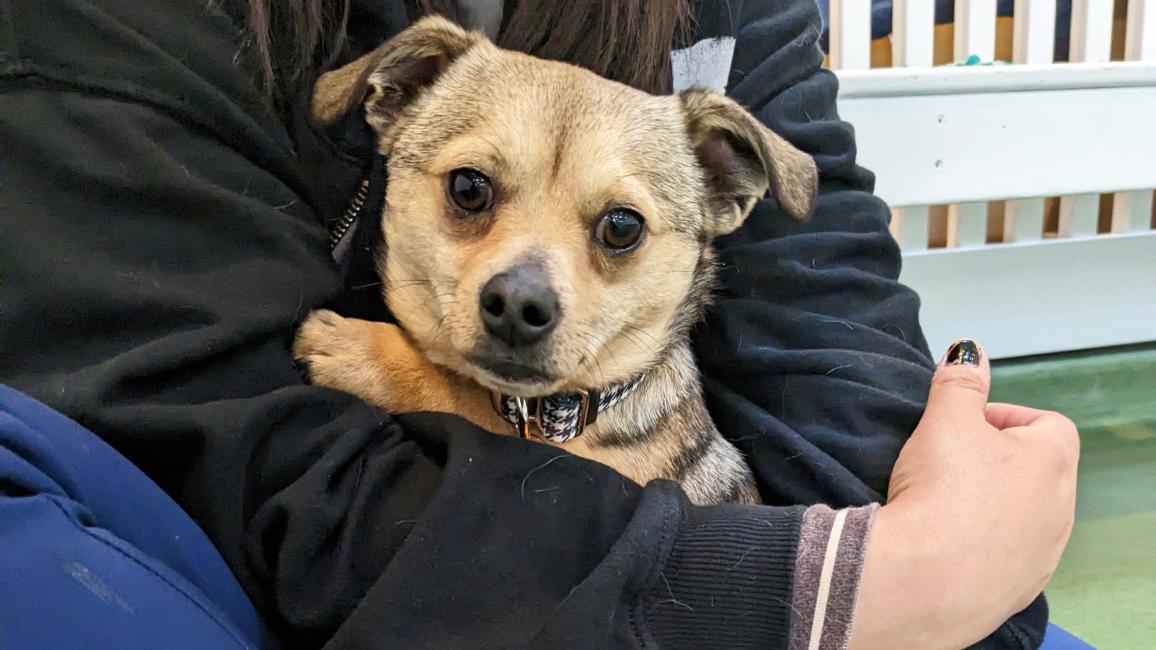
390	77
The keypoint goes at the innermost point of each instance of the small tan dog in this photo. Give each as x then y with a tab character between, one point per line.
548	235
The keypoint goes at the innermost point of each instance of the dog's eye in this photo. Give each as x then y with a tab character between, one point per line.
470	190
619	230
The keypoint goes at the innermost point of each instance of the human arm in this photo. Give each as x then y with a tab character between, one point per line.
161	242
959	550
814	360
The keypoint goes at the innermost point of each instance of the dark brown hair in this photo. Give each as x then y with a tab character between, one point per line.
624	40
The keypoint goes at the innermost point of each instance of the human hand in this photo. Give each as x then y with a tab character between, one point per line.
980	507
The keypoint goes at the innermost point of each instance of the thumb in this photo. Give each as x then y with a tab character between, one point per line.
961	383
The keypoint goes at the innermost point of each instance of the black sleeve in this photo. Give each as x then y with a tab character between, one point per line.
814	359
158	247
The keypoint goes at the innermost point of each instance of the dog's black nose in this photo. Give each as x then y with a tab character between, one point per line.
518	306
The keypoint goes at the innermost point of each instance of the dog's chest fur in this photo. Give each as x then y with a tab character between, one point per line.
663	430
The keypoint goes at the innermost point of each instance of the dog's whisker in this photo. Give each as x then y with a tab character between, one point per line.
628	334
592	352
642	332
438	330
624	177
442	294
399	284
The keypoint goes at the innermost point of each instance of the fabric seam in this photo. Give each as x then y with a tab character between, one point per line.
639	621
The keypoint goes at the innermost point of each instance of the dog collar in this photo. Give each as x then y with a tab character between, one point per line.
561	416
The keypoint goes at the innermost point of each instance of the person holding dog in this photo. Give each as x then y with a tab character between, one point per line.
167	208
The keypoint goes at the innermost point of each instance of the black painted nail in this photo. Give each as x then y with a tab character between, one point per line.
961	352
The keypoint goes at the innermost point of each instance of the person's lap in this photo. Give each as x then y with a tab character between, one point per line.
94	554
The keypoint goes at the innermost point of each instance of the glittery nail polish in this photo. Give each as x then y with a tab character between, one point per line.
961	352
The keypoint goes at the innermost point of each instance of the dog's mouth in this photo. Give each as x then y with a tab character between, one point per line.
511	376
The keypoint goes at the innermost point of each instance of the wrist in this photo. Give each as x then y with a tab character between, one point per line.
914	591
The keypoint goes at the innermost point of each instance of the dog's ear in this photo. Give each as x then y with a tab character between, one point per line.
742	159
390	77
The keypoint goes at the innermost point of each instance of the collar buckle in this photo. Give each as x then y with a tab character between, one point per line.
527	416
531	420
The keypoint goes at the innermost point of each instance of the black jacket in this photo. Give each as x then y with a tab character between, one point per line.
163	231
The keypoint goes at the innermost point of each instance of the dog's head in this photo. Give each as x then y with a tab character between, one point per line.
548	229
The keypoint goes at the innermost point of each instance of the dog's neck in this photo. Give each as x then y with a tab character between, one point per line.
562	416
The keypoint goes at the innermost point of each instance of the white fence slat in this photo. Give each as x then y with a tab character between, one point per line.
913	33
850	34
1035	31
1091	36
966	225
1132	211
1140	34
957	80
1053	296
934	140
914	224
1023	220
975	29
1091	42
1079	215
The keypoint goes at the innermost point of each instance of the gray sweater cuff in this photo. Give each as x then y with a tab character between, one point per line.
827	571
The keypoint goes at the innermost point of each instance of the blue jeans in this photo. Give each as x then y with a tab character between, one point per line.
93	554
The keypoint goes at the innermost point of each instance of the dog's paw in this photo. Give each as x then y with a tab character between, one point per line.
371	360
328	348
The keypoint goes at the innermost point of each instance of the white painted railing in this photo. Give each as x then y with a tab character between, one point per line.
1022	194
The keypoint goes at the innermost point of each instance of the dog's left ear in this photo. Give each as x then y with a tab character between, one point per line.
742	159
392	76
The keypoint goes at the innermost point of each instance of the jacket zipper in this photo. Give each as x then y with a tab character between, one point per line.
349	217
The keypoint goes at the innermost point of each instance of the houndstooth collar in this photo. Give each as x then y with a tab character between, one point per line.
562	416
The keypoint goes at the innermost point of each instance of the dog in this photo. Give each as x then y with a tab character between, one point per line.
548	236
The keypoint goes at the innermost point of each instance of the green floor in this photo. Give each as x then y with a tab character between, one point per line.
1105	588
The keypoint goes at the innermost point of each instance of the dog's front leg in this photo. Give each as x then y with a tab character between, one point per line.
380	364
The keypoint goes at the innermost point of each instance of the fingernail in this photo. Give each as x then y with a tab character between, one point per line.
963	351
